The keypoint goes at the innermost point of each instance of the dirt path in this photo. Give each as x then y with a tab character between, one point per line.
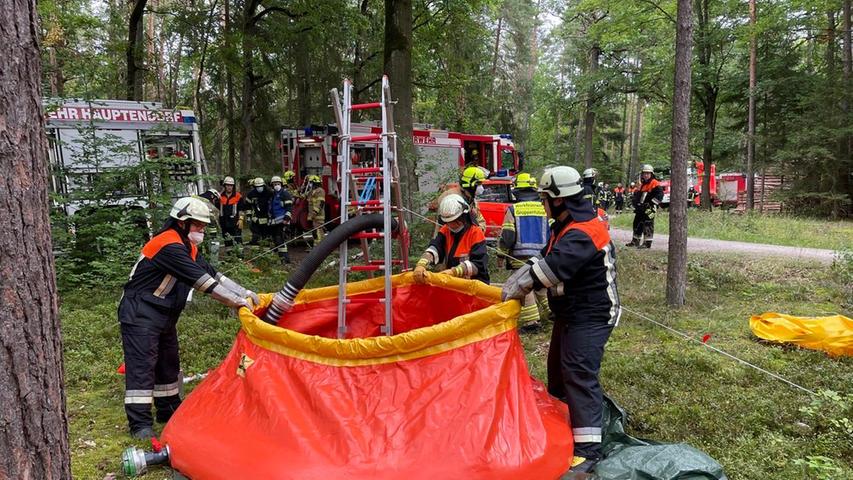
621	237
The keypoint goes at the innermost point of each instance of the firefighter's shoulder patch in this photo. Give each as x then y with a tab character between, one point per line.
245	363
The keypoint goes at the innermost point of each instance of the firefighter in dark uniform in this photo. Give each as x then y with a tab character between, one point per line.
646	200
154	296
281	207
230	204
459	245
619	195
590	189
524	234
258	201
578	267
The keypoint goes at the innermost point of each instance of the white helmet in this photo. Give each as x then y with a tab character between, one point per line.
452	207
590	173
189	208
275	179
228	181
648	168
561	182
258	182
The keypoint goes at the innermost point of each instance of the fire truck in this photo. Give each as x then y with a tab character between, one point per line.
88	138
441	154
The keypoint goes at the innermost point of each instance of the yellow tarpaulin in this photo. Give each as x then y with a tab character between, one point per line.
833	335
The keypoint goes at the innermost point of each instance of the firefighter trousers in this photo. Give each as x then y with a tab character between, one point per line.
232	233
279	239
152	373
644	227
574	360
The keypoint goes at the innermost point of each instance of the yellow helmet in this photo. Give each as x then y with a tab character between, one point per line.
524	180
314	179
288	176
471	177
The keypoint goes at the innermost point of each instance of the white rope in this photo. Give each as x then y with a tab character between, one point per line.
720	351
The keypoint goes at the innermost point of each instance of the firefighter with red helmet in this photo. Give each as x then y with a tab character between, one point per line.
578	267
154	297
459	245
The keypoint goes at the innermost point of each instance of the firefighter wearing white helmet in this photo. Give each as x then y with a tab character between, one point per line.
524	234
169	265
231	203
646	201
459	245
470	185
258	200
591	190
578	268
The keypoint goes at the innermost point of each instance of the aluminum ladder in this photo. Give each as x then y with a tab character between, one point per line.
369	190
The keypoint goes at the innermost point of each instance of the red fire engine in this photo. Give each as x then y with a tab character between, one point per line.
441	154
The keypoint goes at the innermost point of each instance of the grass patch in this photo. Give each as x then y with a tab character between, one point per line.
756	228
675	391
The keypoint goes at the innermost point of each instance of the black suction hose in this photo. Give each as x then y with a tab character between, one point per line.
283	300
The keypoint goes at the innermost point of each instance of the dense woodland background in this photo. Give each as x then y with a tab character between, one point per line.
584	82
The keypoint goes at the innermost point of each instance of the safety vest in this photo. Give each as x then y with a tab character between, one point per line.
228	206
531	228
596	229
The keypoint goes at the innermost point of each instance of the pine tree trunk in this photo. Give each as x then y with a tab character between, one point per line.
846	164
635	139
676	273
750	136
135	51
398	67
33	423
247	116
589	121
229	87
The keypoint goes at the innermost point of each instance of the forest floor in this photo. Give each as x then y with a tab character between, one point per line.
674	390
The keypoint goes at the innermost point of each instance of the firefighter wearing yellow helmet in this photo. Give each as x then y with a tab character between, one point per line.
316	207
578	268
169	266
524	234
470	185
459	245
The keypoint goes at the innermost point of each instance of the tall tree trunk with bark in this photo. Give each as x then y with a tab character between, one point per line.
707	94
676	272
589	121
33	423
398	67
634	167
750	136
229	87
247	115
135	51
846	163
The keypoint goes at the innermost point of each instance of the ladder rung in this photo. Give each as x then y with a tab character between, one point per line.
363	203
382	262
364	179
372	208
359	171
368	235
365	138
365	300
366	106
366	268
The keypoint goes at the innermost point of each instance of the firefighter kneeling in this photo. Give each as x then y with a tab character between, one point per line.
154	296
460	245
578	267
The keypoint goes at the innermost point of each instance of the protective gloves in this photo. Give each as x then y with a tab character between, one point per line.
228	297
238	289
518	285
421	271
650	212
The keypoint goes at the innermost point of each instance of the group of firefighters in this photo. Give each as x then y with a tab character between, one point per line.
268	210
555	240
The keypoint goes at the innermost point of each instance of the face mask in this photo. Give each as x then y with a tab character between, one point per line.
259	189
479	190
196	237
277	188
